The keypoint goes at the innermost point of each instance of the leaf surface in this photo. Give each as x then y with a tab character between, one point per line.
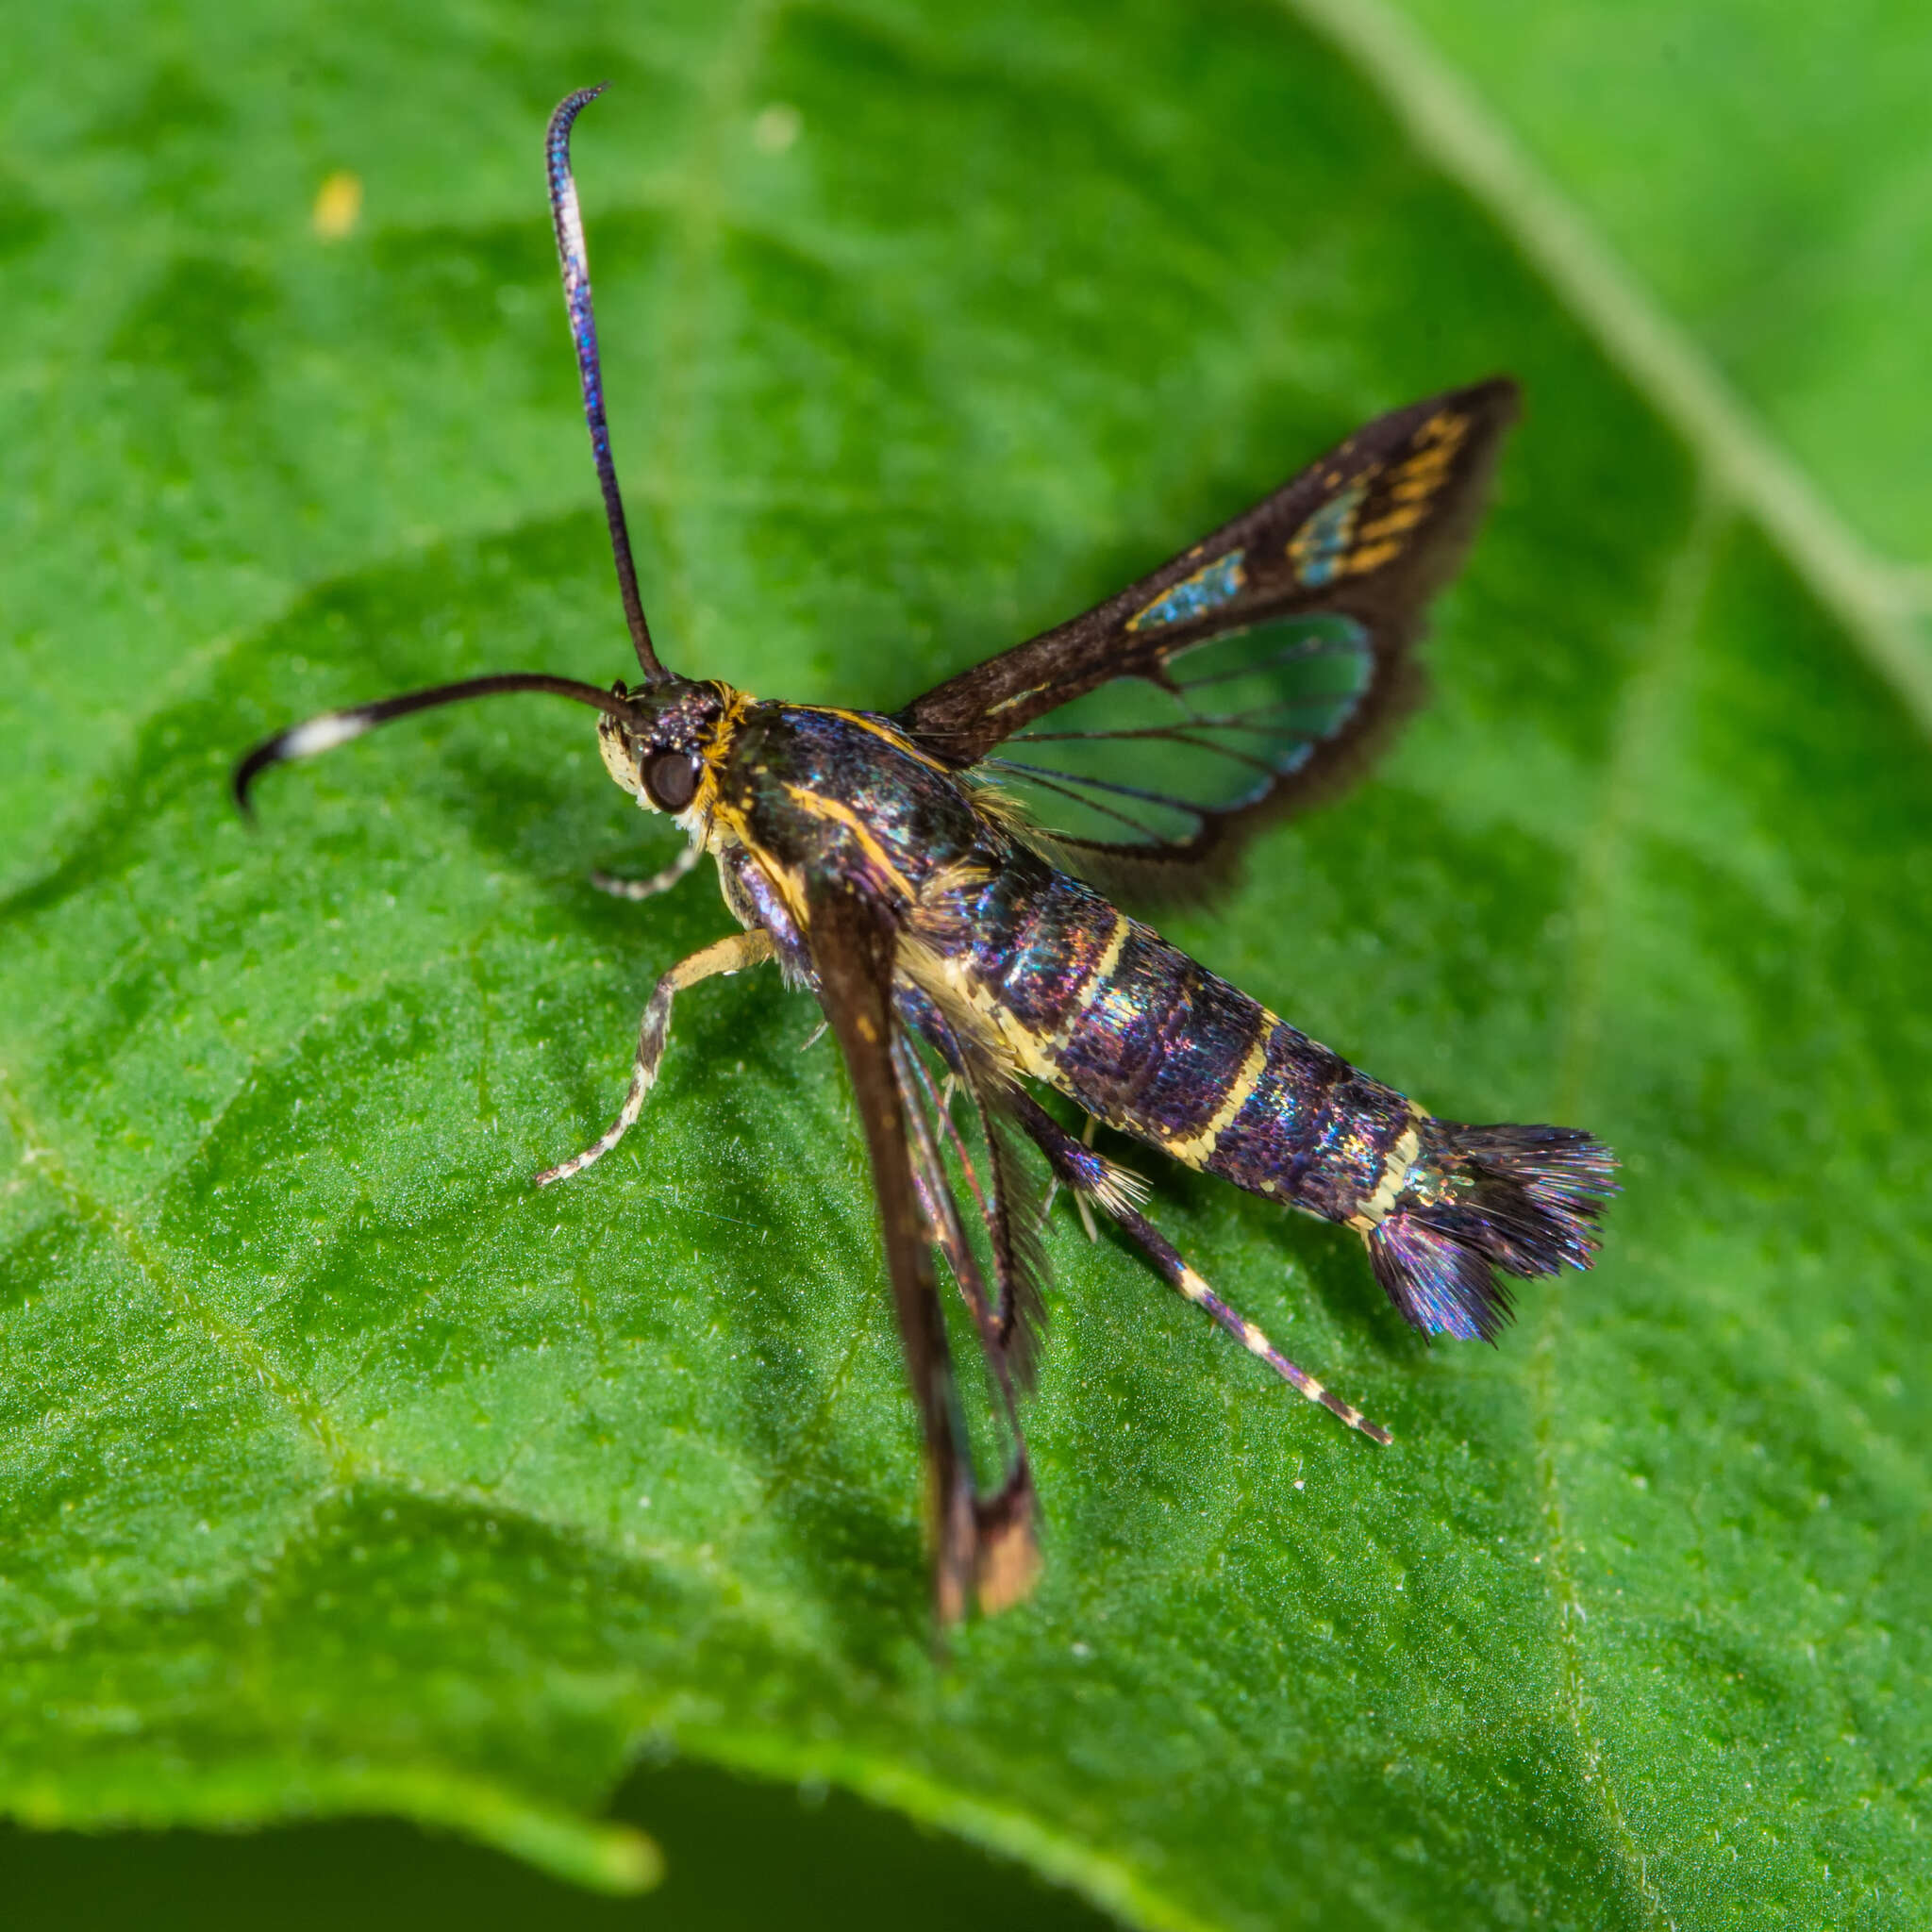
1763	168
340	1470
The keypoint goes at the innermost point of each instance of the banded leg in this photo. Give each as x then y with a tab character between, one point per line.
934	1197
1053	1187
1085	1173
994	1321
1081	1199
658	881
1005	1210
732	955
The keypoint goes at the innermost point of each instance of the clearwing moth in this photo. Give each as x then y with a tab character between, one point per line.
937	877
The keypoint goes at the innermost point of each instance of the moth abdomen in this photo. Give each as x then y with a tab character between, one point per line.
1152	1043
1476	1199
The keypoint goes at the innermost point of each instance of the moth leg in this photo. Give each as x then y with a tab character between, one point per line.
1006	1553
942	1213
936	1197
1167	1258
658	881
1087	1173
1081	1199
732	955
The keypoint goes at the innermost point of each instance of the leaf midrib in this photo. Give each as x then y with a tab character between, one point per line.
1873	598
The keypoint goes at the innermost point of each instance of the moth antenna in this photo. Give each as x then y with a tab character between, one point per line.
576	265
331	728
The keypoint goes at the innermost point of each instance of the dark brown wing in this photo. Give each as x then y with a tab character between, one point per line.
1249	675
978	1547
1006	1559
1007	1200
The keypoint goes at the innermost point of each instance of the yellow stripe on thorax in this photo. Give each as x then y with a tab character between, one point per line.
836	811
879	728
696	820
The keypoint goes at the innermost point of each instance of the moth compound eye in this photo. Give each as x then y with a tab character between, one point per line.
671	780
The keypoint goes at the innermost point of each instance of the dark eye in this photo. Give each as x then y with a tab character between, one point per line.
672	779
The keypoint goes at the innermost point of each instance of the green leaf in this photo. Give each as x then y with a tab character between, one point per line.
341	1472
1762	167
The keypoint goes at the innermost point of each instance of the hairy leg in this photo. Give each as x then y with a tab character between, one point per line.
732	955
658	881
1088	1175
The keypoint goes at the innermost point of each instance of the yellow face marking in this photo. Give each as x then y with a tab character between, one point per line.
1194	1148
696	817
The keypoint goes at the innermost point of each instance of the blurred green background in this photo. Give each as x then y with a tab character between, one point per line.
340	1484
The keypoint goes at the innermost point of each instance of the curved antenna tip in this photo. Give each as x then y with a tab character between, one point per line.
329	729
572	104
573	258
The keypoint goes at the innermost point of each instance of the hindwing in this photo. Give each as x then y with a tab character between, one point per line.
1244	678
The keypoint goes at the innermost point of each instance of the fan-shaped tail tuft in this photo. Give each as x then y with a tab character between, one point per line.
1522	1200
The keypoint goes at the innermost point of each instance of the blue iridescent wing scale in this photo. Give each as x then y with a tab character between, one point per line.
1249	677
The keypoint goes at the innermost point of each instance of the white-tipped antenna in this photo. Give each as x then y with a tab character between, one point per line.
583	329
332	728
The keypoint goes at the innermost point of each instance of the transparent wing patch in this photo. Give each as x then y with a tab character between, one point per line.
1141	764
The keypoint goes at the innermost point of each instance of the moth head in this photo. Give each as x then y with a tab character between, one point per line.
656	750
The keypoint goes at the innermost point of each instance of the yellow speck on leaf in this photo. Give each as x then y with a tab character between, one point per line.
777	127
337	205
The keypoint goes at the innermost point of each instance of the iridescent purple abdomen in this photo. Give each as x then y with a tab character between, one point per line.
1140	1035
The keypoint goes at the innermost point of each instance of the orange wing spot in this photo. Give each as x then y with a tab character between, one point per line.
1417	481
1372	557
1443	427
1394	524
1431	463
